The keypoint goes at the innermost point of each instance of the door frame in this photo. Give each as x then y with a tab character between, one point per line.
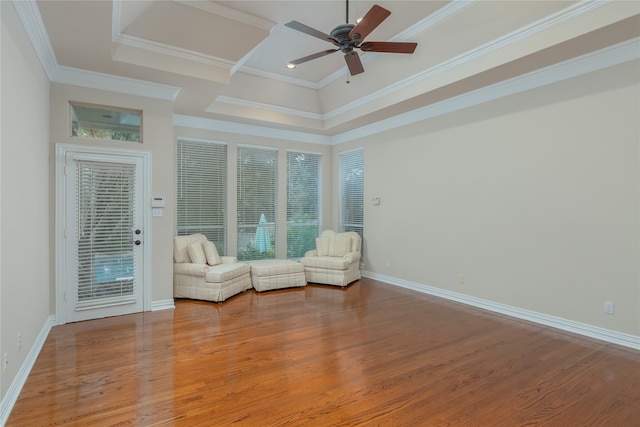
61	276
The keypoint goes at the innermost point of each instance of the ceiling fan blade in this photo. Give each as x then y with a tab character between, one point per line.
371	20
312	32
314	56
390	47
353	63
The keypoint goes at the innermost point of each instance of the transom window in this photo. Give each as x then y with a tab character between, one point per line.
119	124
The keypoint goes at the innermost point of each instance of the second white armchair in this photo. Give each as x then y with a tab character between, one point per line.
336	259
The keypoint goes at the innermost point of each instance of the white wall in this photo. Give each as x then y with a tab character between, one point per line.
24	195
534	198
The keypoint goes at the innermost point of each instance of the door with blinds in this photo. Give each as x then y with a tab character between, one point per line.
104	235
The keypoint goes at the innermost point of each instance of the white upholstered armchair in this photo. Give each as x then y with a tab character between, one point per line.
336	259
200	273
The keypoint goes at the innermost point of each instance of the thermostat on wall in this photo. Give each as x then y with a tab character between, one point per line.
157	202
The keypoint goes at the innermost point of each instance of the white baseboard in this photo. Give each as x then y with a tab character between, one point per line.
591	331
164	304
10	398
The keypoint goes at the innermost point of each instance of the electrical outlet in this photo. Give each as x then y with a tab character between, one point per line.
461	279
608	307
5	362
19	341
388	263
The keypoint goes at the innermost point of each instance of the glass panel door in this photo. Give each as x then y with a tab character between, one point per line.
104	238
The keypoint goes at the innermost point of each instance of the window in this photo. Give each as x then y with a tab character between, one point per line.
303	202
352	191
118	124
202	190
257	202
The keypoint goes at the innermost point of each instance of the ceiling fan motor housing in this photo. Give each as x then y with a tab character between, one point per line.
341	33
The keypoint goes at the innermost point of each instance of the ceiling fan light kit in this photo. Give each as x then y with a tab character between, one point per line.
347	37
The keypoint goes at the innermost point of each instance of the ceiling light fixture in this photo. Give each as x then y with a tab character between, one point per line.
291	66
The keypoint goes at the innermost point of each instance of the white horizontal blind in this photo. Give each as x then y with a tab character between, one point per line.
352	191
202	190
303	202
257	202
105	221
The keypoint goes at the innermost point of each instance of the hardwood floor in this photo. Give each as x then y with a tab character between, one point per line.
371	354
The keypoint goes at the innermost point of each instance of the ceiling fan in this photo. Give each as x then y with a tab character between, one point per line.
348	37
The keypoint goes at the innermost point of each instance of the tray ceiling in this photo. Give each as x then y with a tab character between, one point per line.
226	60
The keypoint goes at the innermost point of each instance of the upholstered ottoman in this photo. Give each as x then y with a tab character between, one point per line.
270	274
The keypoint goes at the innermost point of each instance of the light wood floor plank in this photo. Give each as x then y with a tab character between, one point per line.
371	355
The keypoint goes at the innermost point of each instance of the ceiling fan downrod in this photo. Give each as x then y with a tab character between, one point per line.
347	21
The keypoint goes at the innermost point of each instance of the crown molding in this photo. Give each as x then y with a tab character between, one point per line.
594	61
186	54
495	45
252	130
176	52
441	14
435	18
116	12
270	107
226	12
32	22
275	76
36	31
34	26
94	80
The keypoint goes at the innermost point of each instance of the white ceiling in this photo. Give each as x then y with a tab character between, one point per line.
226	60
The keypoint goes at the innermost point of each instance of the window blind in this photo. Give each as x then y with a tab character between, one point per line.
303	202
105	220
257	170
202	190
352	191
